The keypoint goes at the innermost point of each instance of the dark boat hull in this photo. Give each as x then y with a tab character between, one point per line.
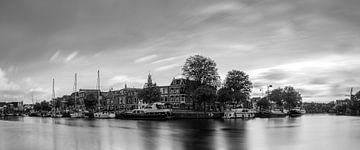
269	115
129	116
295	113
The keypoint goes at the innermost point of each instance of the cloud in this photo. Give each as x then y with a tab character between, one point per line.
55	56
220	7
126	79
37	91
5	84
167	67
168	59
145	58
71	56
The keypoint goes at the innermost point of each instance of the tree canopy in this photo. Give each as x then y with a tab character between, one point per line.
90	101
201	69
239	84
150	94
292	98
205	94
276	96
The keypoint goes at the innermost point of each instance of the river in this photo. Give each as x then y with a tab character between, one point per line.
308	132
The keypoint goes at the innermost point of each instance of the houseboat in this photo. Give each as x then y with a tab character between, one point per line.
154	111
297	111
242	113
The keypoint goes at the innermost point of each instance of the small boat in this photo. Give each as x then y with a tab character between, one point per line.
77	115
104	115
242	113
274	113
155	111
297	111
56	115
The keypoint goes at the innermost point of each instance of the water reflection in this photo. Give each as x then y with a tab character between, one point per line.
306	132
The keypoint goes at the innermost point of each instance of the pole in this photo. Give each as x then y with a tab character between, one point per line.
98	83
75	89
53	96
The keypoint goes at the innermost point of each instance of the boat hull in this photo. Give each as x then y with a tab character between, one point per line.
130	116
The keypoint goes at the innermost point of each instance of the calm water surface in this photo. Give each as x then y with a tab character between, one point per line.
309	132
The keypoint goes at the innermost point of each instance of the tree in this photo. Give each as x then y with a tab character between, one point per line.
224	96
202	70
357	95
42	106
150	94
239	84
90	101
205	94
276	96
291	97
263	103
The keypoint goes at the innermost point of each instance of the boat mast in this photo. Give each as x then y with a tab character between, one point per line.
98	88
53	95
75	89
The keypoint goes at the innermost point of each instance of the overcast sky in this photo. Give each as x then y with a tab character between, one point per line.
312	45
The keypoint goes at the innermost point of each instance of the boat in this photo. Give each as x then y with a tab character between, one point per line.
104	115
56	115
242	113
297	111
273	113
154	111
77	115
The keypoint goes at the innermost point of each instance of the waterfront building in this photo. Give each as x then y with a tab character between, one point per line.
124	99
177	94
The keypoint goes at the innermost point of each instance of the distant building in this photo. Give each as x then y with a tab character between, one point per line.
126	98
177	94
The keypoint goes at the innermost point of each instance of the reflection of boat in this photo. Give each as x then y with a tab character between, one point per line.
155	111
297	111
239	113
104	115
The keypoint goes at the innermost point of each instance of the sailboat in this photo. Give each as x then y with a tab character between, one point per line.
101	114
76	113
54	114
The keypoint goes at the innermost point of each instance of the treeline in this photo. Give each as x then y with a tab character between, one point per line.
286	97
319	107
349	106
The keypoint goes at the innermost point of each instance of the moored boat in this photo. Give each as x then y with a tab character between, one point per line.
274	113
104	115
242	113
77	115
155	111
297	111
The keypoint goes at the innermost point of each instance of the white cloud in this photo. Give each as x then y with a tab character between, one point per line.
125	78
167	67
5	84
145	58
55	56
71	56
220	7
168	59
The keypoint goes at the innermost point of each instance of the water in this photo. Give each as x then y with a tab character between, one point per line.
309	132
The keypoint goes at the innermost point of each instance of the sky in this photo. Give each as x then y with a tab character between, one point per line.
312	45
